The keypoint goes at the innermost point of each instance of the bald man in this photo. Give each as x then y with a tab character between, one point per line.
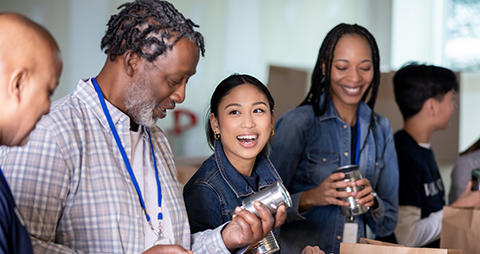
30	66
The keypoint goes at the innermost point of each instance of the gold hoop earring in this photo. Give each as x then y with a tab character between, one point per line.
273	132
217	136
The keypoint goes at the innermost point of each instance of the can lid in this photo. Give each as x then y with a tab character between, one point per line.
286	195
346	169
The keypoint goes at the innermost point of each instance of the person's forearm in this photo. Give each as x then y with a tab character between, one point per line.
413	231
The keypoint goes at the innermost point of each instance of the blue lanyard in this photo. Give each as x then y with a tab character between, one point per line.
357	149
125	158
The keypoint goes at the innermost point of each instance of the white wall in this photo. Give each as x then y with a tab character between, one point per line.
246	36
240	36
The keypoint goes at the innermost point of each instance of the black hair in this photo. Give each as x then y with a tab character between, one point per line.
415	83
136	25
320	80
223	89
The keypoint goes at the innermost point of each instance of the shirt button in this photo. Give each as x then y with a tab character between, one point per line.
324	160
376	163
346	154
339	237
345	126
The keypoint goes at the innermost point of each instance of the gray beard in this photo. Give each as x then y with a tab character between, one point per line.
139	105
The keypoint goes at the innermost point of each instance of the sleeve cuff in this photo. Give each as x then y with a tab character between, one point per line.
380	210
210	241
292	212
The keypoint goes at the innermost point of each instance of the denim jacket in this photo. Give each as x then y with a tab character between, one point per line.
217	188
307	148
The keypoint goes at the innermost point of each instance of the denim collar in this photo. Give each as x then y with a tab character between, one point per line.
263	167
364	111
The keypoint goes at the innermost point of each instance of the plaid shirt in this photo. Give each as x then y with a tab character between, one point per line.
74	192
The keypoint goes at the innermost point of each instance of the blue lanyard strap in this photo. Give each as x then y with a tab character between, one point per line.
157	179
357	149
125	158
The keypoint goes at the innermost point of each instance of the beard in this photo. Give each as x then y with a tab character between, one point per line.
139	104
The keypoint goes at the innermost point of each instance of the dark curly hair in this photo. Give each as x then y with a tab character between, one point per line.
145	26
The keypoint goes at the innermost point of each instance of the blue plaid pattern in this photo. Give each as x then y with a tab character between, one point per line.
74	192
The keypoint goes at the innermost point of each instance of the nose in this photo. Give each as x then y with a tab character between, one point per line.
178	96
248	121
355	75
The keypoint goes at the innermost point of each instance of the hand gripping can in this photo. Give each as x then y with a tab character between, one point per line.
352	174
272	197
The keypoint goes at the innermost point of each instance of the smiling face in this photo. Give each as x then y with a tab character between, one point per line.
351	73
244	122
160	85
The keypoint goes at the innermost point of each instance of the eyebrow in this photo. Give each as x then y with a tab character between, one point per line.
238	105
345	60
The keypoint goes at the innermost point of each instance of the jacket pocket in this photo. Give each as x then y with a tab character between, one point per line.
320	165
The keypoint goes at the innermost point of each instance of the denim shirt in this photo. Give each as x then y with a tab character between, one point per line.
307	148
217	188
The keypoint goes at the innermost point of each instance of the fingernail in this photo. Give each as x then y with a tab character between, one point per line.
238	209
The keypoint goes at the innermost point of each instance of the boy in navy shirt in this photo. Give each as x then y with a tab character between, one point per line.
425	96
30	66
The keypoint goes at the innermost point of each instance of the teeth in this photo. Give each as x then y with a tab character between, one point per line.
352	90
247	137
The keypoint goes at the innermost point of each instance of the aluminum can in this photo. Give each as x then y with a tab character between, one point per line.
272	197
352	174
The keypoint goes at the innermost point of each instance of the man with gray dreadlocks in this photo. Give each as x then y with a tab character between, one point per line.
98	174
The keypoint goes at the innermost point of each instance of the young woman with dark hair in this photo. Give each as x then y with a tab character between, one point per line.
239	128
334	126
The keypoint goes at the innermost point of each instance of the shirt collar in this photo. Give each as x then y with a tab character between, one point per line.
86	93
263	167
364	111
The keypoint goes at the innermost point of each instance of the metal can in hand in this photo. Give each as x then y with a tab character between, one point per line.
352	174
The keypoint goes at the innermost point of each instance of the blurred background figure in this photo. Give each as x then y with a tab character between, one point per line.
425	95
462	170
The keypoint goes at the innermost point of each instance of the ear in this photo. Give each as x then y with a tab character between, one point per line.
430	107
324	69
17	84
131	62
214	123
